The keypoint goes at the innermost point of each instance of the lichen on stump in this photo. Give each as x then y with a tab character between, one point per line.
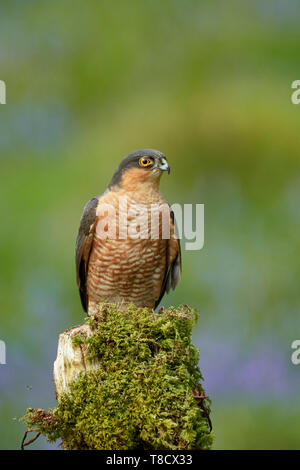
128	380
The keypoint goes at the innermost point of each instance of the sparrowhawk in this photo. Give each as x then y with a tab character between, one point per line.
137	263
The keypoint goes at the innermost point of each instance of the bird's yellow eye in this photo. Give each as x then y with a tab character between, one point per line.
145	161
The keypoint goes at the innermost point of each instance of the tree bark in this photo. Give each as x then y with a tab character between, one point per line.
71	360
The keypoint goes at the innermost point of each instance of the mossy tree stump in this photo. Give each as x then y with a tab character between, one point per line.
128	380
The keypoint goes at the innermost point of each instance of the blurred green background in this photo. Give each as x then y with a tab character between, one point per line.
209	84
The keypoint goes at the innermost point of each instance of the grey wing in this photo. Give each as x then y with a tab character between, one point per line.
173	270
84	244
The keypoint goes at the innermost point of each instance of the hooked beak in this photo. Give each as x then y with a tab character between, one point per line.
164	166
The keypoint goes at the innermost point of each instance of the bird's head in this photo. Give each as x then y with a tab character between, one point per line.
143	166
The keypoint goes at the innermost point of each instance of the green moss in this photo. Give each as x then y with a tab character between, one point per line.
141	397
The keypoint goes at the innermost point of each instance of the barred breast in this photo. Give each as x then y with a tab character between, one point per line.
124	269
